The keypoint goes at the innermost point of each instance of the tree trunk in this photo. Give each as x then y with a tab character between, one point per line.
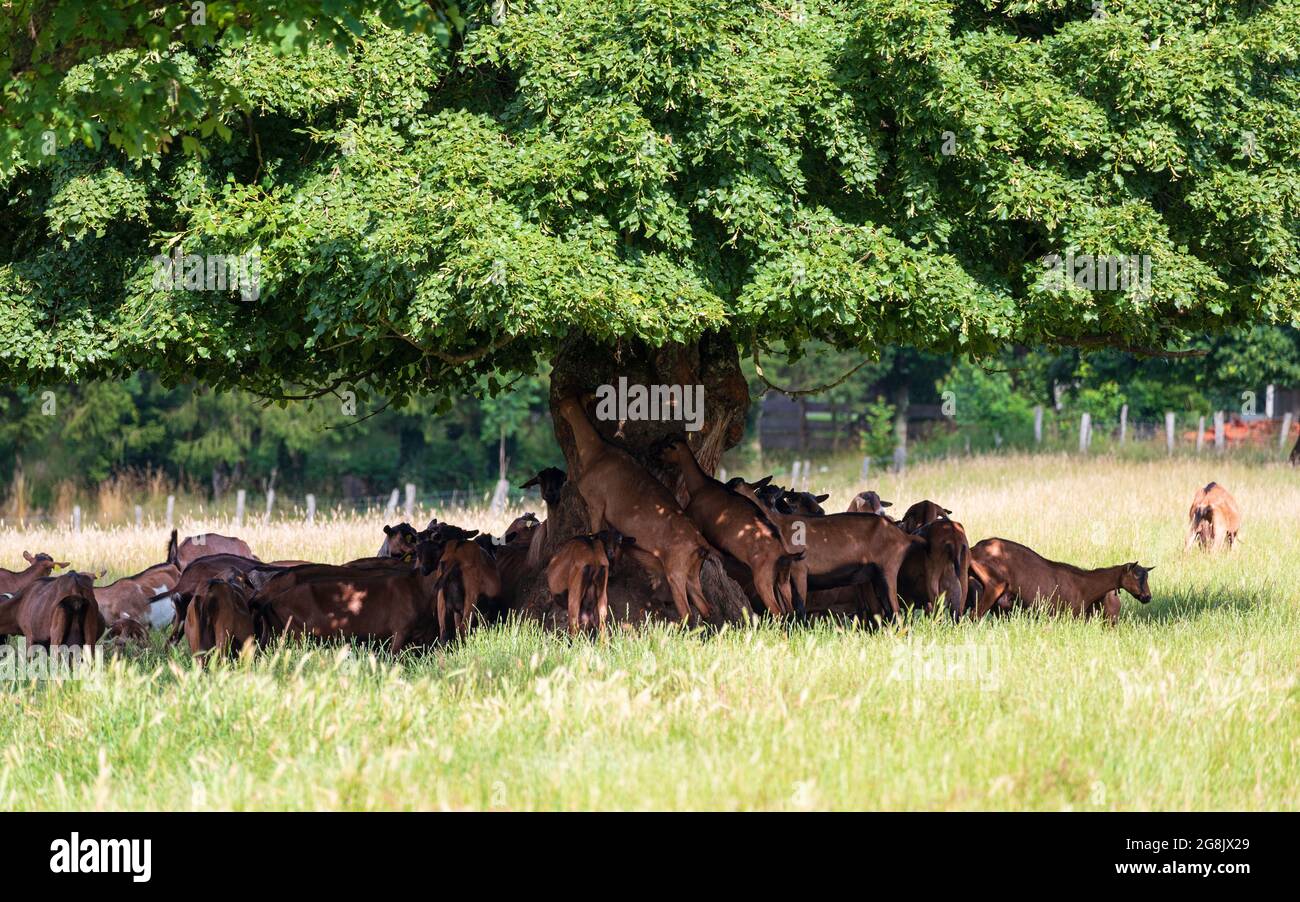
579	368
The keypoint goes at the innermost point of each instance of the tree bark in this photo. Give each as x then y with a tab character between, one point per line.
580	367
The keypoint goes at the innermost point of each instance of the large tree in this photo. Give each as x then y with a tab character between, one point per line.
607	183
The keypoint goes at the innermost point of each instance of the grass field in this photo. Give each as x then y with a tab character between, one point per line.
1192	702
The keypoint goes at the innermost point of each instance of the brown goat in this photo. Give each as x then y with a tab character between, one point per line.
399	541
741	528
579	572
378	604
621	493
1012	574
131	597
1214	519
205	545
920	514
39	566
845	550
868	503
467	581
551	481
54	611
196	576
939	567
219	618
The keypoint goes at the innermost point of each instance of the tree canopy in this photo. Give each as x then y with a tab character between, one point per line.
433	216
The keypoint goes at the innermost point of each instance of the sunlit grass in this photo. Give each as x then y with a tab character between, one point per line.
1191	702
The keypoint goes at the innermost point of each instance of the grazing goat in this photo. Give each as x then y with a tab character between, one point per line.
131	597
805	503
1012	574
619	492
845	550
377	604
54	611
39	566
204	545
920	514
739	527
196	576
868	503
1213	520
939	567
551	481
399	541
219	618
579	572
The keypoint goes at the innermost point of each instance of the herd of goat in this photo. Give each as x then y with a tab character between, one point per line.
423	587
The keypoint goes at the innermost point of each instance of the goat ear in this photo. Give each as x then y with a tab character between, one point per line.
946	511
821	498
27	556
388	530
886	504
59	565
102	573
762	482
530	483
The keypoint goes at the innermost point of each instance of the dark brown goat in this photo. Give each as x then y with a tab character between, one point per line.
920	514
738	526
219	618
579	573
868	503
939	567
621	493
467	581
377	604
205	545
551	481
399	541
1011	574
39	566
54	611
846	550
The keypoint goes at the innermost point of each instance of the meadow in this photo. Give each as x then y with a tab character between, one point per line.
1191	702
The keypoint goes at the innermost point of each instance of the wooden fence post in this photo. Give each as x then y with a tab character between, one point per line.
139	516
391	509
1286	430
1038	424
76	518
807	473
240	497
1169	431
866	467
1085	428
1220	439
794	476
410	500
171	510
270	503
311	508
1123	424
1200	435
1268	401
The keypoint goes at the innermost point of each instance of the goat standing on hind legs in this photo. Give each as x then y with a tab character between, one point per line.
621	493
738	526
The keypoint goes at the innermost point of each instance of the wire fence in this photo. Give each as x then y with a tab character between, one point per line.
1259	437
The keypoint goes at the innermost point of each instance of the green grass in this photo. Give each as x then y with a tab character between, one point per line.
1190	703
